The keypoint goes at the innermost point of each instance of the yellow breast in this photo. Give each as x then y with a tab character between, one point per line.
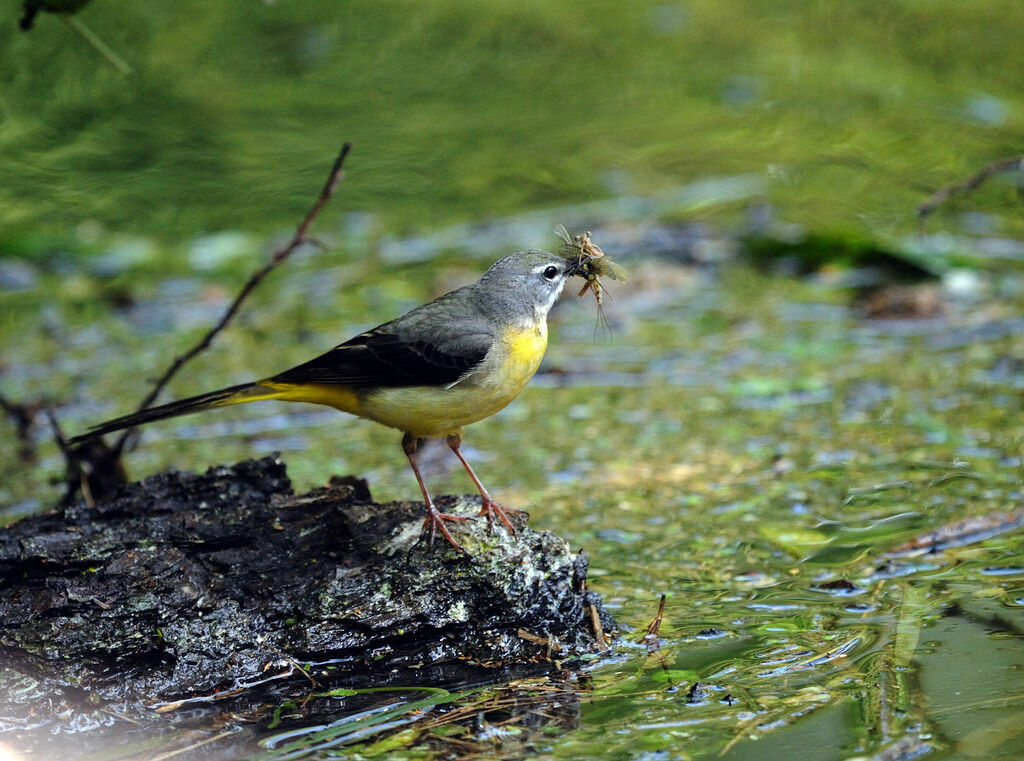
525	351
438	411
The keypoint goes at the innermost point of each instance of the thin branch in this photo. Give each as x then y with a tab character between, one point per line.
75	23
333	179
595	621
942	195
58	434
650	637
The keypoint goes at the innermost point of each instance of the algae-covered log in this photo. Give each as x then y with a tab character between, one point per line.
184	584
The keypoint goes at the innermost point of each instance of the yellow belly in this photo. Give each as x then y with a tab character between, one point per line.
437	411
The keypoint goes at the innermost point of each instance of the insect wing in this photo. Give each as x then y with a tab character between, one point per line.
613	270
563	235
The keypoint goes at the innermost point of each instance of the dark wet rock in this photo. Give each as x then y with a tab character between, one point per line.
697	693
840	587
841	258
895	302
712	633
185	584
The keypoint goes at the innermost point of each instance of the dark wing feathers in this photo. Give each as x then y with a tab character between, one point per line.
380	358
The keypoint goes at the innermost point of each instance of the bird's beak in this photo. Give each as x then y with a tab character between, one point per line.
576	267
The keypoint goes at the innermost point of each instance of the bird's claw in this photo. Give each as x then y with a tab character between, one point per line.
492	509
434	522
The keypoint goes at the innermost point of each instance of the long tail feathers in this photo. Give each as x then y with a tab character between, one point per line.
247	392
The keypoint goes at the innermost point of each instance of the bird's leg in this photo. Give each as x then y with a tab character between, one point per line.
435	518
488	506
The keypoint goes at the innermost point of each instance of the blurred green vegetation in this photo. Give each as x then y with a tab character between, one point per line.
464	110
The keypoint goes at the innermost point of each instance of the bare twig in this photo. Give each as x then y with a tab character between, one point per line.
76	24
333	179
960	533
549	642
91	467
595	621
58	434
941	195
650	637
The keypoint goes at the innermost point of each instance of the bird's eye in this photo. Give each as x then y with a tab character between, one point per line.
551	272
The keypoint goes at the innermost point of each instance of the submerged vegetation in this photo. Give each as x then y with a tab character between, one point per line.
749	445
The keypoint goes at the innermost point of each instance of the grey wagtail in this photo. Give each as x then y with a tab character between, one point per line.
440	367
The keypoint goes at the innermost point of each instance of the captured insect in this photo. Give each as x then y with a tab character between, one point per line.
596	263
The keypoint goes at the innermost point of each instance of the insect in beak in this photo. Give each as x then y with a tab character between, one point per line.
591	262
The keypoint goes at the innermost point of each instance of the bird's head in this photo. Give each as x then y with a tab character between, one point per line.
527	281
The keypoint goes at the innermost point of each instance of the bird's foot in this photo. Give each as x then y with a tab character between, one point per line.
493	510
434	522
